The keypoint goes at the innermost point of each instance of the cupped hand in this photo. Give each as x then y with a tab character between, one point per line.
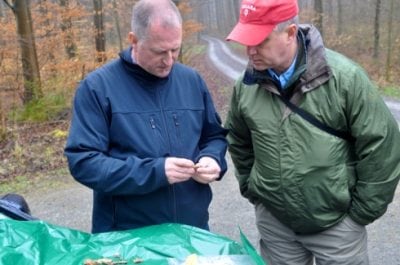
178	169
207	170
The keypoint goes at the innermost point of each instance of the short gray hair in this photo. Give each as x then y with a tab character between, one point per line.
147	11
282	26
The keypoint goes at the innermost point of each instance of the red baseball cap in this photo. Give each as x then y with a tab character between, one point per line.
259	17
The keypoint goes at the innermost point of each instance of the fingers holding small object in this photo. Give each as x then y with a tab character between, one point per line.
181	169
196	166
178	169
205	175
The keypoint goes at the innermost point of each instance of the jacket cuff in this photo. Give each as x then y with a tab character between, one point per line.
358	219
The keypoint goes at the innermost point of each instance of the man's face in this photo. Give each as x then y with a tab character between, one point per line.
159	50
273	53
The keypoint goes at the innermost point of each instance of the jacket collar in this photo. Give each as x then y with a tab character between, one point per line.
317	70
137	71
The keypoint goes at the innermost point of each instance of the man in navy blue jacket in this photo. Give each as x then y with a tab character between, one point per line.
145	135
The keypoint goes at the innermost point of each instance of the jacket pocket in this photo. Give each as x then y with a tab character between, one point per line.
156	134
178	134
184	132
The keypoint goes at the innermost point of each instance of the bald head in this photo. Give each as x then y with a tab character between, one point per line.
147	13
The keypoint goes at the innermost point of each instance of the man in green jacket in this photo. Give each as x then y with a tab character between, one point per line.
314	187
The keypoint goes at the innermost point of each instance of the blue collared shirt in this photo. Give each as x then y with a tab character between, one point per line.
285	76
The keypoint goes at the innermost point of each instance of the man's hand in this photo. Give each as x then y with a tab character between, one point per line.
207	170
178	169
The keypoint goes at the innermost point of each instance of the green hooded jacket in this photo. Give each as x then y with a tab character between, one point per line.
307	178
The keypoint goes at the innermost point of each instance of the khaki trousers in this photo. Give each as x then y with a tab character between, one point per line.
344	243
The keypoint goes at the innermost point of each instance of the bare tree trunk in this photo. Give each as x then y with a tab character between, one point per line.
339	29
180	57
1	10
213	16
329	9
235	9
3	123
389	45
66	28
47	34
376	28
237	4
230	12
26	38
319	11
99	31
117	24
198	16
221	18
202	14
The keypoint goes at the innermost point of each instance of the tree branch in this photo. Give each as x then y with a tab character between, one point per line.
9	5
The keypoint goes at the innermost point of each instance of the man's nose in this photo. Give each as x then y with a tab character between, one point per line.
169	58
251	50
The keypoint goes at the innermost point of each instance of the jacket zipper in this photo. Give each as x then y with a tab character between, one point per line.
177	129
164	120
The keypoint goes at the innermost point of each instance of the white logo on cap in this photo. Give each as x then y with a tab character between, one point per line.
249	7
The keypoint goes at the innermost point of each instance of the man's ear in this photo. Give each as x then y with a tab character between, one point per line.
292	31
132	39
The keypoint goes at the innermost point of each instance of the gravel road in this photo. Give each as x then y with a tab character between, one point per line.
69	204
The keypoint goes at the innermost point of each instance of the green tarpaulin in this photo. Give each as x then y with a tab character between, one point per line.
37	242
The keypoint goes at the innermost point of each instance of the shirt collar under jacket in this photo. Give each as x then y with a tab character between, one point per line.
283	78
298	67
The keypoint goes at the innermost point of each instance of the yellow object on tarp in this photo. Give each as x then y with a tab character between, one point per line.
40	243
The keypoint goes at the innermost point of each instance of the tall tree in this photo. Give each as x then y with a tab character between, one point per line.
376	28
235	8
221	18
237	4
26	38
201	10
100	38
319	11
389	43
47	33
190	26
66	27
117	24
339	29
1	10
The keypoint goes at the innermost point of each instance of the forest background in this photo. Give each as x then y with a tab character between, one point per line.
48	46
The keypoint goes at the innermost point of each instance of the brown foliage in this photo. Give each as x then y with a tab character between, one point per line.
59	71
